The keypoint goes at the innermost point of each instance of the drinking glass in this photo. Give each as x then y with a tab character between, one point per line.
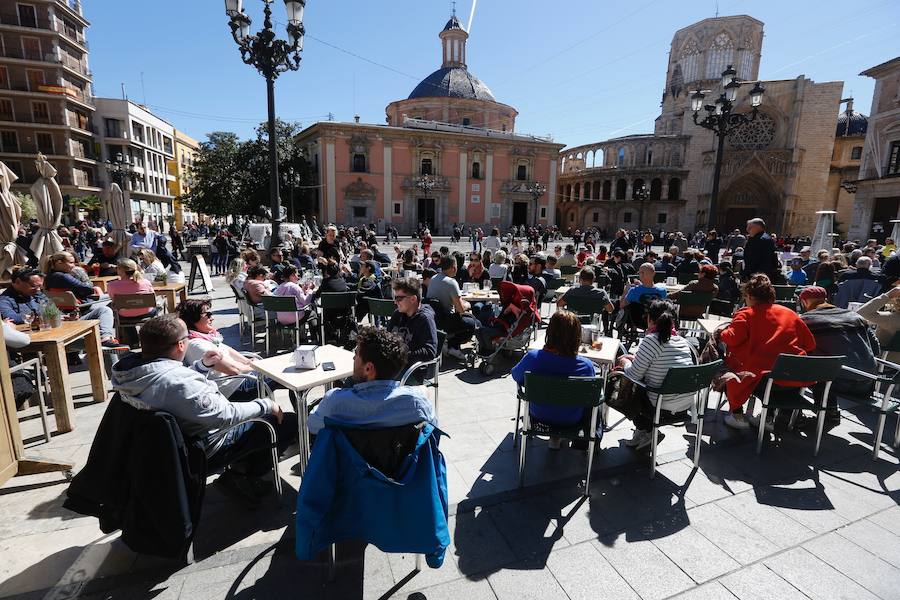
28	318
596	339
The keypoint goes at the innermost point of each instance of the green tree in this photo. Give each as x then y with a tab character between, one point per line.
29	211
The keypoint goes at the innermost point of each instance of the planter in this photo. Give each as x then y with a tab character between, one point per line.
54	322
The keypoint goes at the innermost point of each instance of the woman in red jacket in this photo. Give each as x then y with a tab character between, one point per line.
755	337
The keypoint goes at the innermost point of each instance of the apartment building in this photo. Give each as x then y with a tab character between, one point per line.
186	149
46	102
130	133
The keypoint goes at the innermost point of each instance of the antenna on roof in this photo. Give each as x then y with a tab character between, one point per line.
717	9
454	7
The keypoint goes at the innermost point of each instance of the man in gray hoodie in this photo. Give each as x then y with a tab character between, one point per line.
157	380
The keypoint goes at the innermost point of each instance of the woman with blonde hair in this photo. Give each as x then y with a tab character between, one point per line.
499	269
60	279
884	313
151	265
236	273
131	281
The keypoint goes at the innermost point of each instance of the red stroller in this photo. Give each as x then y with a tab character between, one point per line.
519	318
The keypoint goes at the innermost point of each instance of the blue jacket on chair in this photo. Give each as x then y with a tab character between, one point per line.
343	497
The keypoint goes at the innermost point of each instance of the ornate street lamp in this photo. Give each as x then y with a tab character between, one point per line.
292	180
426	183
642	194
722	121
120	170
536	189
271	57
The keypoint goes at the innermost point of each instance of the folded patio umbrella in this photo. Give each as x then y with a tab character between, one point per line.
118	216
10	217
48	202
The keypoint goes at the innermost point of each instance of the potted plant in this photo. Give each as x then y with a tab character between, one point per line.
52	316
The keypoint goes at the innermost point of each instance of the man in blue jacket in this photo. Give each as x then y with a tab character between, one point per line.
376	399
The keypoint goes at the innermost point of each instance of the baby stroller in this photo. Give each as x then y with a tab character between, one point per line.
631	321
519	318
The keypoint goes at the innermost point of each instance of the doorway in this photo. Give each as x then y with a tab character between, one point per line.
886	210
426	214
520	214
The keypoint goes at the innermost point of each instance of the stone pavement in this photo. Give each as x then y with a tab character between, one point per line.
782	525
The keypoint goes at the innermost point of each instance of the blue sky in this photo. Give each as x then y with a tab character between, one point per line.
581	70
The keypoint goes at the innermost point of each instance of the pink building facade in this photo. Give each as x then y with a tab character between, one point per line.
448	154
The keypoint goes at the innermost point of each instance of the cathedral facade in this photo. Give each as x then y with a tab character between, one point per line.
776	167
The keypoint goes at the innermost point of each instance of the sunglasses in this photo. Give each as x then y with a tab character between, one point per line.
400	298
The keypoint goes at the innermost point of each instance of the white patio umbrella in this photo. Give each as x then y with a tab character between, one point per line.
10	217
117	213
48	202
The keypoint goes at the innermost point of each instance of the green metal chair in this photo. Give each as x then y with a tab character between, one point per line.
785	292
688	323
568	271
893	345
426	372
686	278
286	304
251	319
335	301
808	369
694	379
602	281
382	308
882	401
586	392
585	308
660	277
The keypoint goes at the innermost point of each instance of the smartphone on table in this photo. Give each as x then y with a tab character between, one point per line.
328	366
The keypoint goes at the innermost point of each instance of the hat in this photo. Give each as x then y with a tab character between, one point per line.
813	292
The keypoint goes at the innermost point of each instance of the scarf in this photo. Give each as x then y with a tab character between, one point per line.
197	335
476	271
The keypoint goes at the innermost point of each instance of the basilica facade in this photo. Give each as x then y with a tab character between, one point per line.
776	167
448	153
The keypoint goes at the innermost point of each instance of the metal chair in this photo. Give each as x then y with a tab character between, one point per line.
335	301
40	382
694	379
550	390
660	276
686	278
585	308
785	293
568	271
882	400
380	308
687	324
132	301
237	300
808	369
425	368
251	319
64	300
272	305
495	283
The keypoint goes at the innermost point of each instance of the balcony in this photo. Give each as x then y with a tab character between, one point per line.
72	34
66	61
15	21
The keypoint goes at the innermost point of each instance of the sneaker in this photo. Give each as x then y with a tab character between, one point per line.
111	343
736	421
648	439
636	438
456	353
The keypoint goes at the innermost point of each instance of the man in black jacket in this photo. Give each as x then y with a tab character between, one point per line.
413	321
759	253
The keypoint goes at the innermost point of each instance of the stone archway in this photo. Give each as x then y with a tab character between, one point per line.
748	197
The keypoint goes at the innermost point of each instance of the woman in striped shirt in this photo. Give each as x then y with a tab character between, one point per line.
658	351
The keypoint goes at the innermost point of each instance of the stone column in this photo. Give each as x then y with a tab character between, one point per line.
330	192
387	183
488	186
551	195
463	184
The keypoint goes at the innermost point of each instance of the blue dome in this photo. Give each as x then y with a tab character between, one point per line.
851	123
453	82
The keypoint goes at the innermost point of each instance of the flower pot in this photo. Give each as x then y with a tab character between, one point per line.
54	321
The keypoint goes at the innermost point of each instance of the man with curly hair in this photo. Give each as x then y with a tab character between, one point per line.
377	399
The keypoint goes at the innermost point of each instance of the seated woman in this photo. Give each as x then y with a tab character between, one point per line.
60	277
410	261
754	338
302	294
884	313
255	287
475	271
202	337
658	351
705	284
559	357
236	274
131	281
151	265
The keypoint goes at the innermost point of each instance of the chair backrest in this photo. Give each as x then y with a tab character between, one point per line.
685	278
441	340
694	298
495	283
556	283
602	281
791	304
660	277
722	308
63	300
134	301
785	292
585	306
554	390
385	449
806	368
688	379
569	270
381	307
337	300
279	304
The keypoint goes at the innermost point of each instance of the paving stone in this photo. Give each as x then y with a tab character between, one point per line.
758	582
814	578
526	580
583	573
774	525
875	539
403	565
696	555
805	502
454	590
739	541
888	519
709	591
699	489
861	566
527	527
477	543
646	569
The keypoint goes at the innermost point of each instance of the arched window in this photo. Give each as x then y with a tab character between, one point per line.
719	56
476	170
359	163
607	189
674	188
621	186
635	186
690	60
620	157
426	167
655	189
522	172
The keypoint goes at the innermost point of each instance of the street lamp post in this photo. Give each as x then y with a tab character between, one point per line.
536	189
271	57
722	121
642	194
121	171
292	179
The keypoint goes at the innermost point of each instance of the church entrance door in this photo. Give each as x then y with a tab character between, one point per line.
520	214
426	214
886	210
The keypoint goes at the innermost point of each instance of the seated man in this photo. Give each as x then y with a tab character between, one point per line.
586	290
106	258
634	301
366	287
156	379
858	286
454	317
24	296
413	321
840	332
377	399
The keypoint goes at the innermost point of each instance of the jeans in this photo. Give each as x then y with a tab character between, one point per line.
248	389
246	447
104	314
459	328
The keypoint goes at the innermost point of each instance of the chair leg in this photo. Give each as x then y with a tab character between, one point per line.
698	441
592	433
517	428
40	381
418	562
653	432
897	432
436	389
332	570
878	433
762	428
523	441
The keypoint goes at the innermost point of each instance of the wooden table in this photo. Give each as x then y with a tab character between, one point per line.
300	381
710	325
169	291
481	296
671	289
53	342
101	280
605	357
